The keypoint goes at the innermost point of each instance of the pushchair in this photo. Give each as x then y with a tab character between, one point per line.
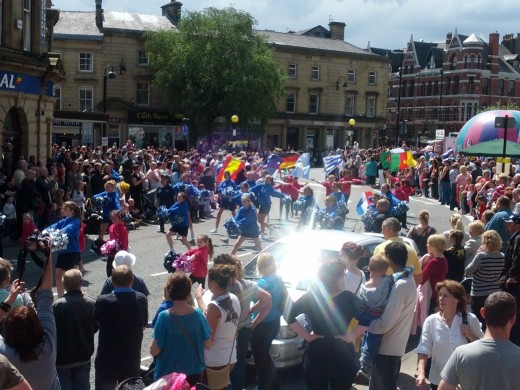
148	202
92	217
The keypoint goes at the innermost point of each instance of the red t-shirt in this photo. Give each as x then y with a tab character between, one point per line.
435	271
328	187
199	264
119	233
27	229
401	195
346	185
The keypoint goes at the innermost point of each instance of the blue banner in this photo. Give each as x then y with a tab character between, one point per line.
24	83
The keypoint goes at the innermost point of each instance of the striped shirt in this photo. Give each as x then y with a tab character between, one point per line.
485	269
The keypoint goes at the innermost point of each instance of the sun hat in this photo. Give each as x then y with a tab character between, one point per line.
124	258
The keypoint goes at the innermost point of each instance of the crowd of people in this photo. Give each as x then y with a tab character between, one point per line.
462	284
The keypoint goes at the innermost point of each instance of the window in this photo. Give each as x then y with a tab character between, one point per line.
471	85
351	76
455	89
371	107
142	58
27	25
143	94
485	86
447	86
372	79
411	89
429	89
57	96
500	87
314	104
315	73
511	88
85	98
350	105
85	62
291	102
291	71
453	62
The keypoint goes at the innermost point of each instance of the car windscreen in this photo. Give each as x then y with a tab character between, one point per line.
296	263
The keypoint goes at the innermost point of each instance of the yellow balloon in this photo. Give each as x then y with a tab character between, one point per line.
234	119
352	122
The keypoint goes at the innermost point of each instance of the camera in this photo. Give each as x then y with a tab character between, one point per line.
33	241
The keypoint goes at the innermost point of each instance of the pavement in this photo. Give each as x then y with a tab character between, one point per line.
150	247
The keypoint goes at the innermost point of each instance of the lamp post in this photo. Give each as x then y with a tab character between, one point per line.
351	123
344	86
234	121
398	106
441	111
108	74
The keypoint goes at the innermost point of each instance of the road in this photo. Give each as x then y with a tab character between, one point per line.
150	247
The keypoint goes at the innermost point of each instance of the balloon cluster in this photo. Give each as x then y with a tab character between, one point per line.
232	228
110	248
182	263
59	239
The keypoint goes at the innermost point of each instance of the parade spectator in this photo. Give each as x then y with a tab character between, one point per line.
451	322
444	178
350	253
127	259
456	224
371	171
503	212
435	268
382	214
456	255
75	329
485	269
246	291
510	275
475	229
390	229
20	173
420	233
10	377
181	334
329	360
121	316
491	362
29	336
136	187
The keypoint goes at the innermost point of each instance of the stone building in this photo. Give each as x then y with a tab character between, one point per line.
28	70
108	95
440	86
329	83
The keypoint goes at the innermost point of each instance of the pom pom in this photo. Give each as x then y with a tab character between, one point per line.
204	195
286	201
232	228
400	209
59	239
162	211
2	219
110	248
182	263
177	219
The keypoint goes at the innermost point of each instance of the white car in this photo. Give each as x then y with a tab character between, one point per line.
297	258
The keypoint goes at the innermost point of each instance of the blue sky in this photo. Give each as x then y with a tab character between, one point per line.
385	23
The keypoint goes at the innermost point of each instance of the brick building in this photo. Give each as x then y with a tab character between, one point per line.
28	69
442	85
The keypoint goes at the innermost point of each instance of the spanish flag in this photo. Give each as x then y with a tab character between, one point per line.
232	165
289	161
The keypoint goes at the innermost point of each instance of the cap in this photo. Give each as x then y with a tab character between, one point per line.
514	218
124	258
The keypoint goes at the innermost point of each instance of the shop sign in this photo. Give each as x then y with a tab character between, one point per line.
151	117
63	123
25	83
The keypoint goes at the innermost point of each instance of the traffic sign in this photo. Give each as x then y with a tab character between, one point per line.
185	130
500	122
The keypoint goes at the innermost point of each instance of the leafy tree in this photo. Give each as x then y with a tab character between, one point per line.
215	64
509	105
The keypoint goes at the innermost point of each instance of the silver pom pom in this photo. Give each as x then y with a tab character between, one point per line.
59	239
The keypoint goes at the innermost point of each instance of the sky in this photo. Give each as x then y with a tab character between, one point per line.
384	23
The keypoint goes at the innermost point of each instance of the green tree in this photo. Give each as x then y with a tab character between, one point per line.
215	64
508	105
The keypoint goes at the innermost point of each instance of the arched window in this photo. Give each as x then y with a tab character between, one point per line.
455	88
429	89
453	62
447	85
479	62
465	62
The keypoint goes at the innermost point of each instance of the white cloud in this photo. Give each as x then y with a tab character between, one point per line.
385	23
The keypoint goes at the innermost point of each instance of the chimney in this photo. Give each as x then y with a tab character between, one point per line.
337	30
449	36
172	11
493	52
99	15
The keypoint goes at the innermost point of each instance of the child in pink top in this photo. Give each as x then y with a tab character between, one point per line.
199	257
117	232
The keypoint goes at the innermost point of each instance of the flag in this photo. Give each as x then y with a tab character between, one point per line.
303	166
289	161
395	162
449	153
364	202
232	165
384	157
332	162
271	164
410	162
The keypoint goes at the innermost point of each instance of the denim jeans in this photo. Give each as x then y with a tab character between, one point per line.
261	340
239	372
385	372
75	378
445	192
369	349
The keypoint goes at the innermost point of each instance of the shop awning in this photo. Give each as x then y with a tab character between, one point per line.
79	116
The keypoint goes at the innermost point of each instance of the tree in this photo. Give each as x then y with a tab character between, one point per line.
215	64
509	105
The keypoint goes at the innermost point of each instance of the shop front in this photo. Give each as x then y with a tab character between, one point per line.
76	128
156	128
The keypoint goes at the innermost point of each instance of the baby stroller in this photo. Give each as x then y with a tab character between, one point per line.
92	217
148	202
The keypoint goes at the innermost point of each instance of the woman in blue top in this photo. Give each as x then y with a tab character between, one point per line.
226	202
181	334
246	221
110	203
71	255
264	333
179	215
264	192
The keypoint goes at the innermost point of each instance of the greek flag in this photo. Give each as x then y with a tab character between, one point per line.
332	162
449	153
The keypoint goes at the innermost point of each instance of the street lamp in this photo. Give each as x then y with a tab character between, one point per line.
234	121
344	86
441	116
401	62
108	74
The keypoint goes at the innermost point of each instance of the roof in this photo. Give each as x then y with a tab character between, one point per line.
310	42
78	25
473	39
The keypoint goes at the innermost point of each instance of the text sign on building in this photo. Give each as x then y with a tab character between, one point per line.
500	122
25	83
439	133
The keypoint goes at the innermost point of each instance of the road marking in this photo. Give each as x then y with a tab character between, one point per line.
245	254
159	273
146	358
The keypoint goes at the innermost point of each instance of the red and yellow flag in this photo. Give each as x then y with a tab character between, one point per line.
231	165
289	162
